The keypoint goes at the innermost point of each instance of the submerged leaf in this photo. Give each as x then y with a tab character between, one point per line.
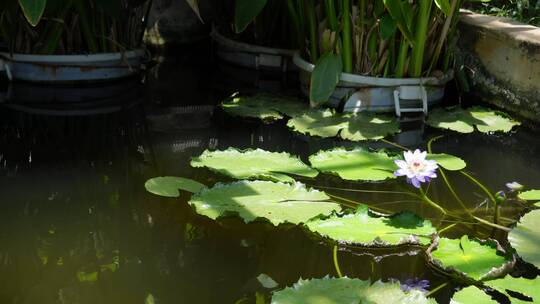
277	202
525	238
263	106
252	164
170	186
526	287
531	195
365	229
469	259
464	120
447	161
347	291
357	164
471	295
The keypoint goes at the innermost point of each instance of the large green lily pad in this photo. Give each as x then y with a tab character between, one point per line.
525	238
277	202
469	259
254	164
354	127
526	287
530	195
447	161
347	291
263	106
471	295
356	164
170	186
365	229
465	120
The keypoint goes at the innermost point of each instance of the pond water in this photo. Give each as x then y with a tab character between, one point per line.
77	226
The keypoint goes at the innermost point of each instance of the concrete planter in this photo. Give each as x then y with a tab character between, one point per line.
502	58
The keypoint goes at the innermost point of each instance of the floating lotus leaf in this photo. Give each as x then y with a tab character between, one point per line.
324	123
448	162
347	291
170	186
464	120
250	200
263	106
357	164
252	164
526	287
469	259
368	126
365	229
525	238
354	127
471	295
531	195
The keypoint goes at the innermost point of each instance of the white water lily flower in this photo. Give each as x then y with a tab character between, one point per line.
514	186
416	167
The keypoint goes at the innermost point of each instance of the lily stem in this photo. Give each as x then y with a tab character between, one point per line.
336	262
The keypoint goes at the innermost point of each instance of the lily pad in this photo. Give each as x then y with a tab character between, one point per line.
365	229
347	291
263	106
354	127
525	238
526	287
464	120
170	186
357	164
471	295
277	202
468	259
254	164
447	161
531	195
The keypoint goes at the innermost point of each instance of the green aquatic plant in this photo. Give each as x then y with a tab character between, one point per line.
465	120
254	164
366	229
471	294
170	186
276	202
355	127
525	238
530	195
266	107
512	287
347	291
468	259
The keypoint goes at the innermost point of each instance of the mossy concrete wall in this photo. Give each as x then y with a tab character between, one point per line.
502	59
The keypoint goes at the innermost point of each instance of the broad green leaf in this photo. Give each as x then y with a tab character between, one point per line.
364	229
277	202
526	287
399	13
33	10
245	11
530	195
263	106
323	123
444	6
194	4
368	126
447	161
469	259
325	78
464	120
388	26
253	164
347	291
357	164
471	294
525	238
170	186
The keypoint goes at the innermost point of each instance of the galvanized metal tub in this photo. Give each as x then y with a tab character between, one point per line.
376	94
72	68
251	56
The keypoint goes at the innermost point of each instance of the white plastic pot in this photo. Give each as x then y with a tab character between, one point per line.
251	56
72	68
364	93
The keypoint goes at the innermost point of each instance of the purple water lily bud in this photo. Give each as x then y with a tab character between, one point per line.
416	168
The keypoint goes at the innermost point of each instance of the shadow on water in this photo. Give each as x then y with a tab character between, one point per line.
76	225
